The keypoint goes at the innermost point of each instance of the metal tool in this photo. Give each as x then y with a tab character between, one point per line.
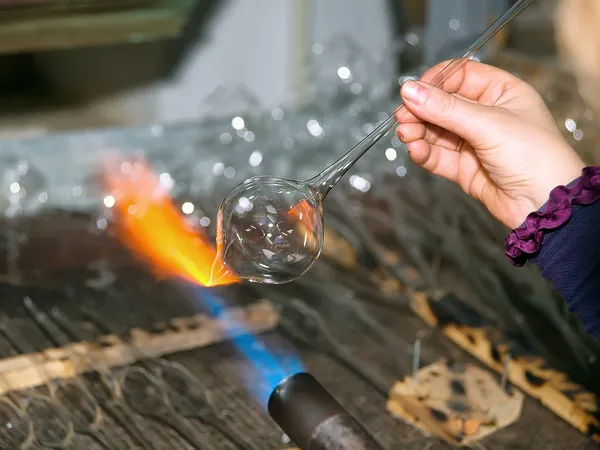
313	419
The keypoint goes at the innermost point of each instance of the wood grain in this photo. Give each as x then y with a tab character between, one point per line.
176	335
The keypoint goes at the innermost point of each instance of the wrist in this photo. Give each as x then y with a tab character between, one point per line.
563	175
540	191
523	207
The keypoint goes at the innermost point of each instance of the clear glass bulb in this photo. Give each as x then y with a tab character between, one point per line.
270	230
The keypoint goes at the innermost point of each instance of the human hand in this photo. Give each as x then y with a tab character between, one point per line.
492	134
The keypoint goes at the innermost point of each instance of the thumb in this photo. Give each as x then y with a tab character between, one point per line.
433	105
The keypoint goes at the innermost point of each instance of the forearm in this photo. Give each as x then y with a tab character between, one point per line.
563	239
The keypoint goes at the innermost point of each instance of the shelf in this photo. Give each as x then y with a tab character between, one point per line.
164	19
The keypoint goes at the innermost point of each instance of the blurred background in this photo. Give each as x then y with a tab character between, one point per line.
69	64
209	93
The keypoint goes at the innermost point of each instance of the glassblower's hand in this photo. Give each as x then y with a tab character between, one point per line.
491	133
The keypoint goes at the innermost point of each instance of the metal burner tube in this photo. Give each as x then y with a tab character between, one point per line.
313	419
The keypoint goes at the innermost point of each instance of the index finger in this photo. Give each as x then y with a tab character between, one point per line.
471	81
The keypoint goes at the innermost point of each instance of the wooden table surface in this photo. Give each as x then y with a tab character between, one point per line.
133	298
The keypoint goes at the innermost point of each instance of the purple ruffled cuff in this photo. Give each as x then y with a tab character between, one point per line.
526	241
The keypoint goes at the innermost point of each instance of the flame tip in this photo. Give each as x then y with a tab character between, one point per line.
158	233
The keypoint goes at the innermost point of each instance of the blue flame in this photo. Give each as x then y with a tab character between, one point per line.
270	368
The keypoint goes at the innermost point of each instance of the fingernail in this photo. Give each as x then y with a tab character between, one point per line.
414	92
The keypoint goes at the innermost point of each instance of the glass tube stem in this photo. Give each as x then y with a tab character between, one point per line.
327	179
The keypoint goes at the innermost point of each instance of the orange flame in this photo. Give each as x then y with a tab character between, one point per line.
149	224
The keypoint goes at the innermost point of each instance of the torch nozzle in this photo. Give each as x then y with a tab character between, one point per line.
313	419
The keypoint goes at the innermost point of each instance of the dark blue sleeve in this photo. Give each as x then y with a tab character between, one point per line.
570	259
